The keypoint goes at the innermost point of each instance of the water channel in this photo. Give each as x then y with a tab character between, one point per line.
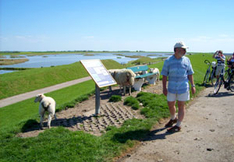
38	61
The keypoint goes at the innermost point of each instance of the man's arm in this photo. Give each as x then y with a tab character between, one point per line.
222	58
164	82
193	89
215	54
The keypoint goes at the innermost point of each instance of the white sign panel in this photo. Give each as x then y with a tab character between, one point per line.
98	72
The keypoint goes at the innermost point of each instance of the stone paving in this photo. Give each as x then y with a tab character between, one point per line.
81	117
111	114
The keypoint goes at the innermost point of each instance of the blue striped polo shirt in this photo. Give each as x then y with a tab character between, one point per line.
219	61
177	71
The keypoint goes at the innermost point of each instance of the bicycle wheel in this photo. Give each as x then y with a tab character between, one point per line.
213	78
231	83
206	78
226	74
217	85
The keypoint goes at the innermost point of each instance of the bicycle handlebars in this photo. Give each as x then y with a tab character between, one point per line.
207	62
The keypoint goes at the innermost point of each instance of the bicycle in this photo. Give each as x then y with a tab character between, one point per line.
227	80
210	73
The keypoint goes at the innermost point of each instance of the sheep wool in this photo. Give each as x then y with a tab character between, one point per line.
46	104
123	77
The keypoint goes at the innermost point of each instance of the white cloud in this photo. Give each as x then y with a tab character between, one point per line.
223	35
211	43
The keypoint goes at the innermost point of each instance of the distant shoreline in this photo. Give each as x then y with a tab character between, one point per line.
12	61
70	52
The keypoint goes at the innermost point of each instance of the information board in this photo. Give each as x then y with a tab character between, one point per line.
98	72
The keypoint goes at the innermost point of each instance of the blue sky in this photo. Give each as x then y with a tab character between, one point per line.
149	25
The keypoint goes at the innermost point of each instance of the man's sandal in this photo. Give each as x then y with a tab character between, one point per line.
171	122
174	129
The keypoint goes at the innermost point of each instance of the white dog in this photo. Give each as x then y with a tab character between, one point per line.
46	104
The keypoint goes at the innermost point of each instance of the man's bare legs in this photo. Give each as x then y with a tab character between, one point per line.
172	109
181	111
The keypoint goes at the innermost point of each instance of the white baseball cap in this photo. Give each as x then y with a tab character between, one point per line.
180	45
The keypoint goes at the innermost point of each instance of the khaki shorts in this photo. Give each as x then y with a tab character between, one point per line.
219	70
180	97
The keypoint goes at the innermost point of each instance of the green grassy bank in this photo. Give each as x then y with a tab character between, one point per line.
33	79
60	144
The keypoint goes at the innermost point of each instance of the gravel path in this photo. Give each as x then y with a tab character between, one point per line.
207	134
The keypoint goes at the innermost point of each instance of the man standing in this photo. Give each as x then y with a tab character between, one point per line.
218	55
178	70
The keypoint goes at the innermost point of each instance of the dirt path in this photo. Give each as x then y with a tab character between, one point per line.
207	134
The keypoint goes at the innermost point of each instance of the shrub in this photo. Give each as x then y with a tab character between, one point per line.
133	102
115	98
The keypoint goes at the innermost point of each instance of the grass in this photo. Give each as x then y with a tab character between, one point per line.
43	147
24	110
155	106
61	144
12	61
33	79
133	102
144	60
115	98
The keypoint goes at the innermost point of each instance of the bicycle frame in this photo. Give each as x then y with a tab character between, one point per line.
222	80
210	74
